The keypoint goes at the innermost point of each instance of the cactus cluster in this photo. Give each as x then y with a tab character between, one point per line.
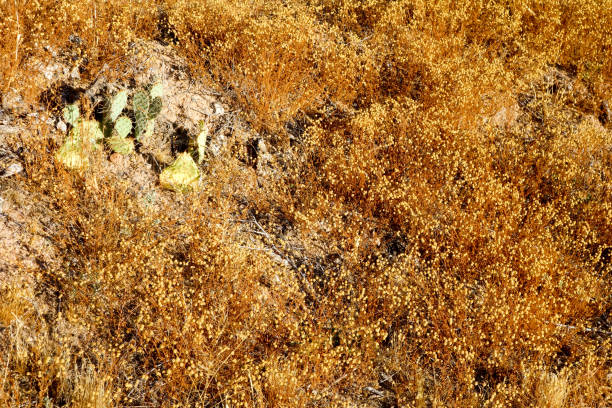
114	127
182	175
117	128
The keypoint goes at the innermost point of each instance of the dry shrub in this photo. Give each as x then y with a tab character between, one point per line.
279	61
90	34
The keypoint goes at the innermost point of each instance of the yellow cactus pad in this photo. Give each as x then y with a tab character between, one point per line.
182	175
72	155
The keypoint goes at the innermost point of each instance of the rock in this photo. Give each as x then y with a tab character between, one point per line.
581	95
5	129
261	147
263	158
590	121
183	105
507	116
557	80
563	82
75	39
217	143
11	170
50	50
47	69
191	108
42	118
218	108
98	84
61	126
75	74
12	101
53	72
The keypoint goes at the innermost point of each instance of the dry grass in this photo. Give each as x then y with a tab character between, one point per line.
434	227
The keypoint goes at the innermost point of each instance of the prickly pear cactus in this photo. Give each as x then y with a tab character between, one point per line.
150	128
72	154
147	105
115	128
156	90
112	109
182	175
71	114
91	130
85	134
140	124
140	101
155	107
115	106
123	126
120	144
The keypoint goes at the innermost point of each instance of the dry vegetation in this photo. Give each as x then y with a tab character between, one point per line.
433	227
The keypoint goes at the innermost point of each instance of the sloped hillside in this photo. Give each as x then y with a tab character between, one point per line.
306	203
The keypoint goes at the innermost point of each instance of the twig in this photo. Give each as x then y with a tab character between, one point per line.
387	378
253	392
587	329
364	39
374	391
18	40
278	252
256	232
95	19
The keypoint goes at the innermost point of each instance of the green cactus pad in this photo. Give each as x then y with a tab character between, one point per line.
201	141
140	124
116	105
120	144
123	126
72	154
156	90
71	114
155	107
140	102
182	175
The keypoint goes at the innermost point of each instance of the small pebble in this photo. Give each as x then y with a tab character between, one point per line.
74	74
219	110
116	158
261	147
61	126
75	39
